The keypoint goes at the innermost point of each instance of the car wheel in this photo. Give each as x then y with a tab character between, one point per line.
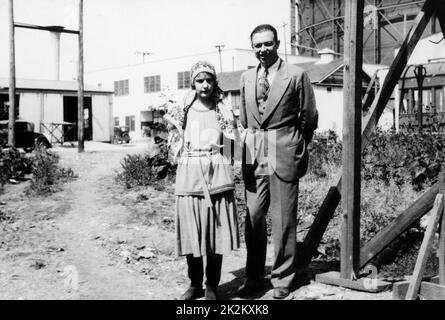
41	144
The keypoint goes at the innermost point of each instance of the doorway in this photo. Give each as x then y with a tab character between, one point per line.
70	115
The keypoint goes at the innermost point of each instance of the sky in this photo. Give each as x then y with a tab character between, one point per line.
114	30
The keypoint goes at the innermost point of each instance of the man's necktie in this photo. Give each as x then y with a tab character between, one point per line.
263	85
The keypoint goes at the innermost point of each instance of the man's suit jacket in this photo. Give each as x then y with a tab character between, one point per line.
286	126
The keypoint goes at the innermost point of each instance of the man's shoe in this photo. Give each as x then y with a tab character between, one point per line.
210	293
192	293
281	293
250	289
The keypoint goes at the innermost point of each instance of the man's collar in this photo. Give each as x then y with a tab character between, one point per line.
275	65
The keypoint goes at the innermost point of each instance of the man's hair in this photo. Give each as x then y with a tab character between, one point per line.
265	27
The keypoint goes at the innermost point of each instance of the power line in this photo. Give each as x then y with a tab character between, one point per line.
219	47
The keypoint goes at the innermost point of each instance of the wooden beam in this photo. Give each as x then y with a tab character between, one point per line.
80	93
400	224
321	221
11	121
397	67
369	122
441	248
440	14
432	291
425	248
351	155
362	284
429	289
366	102
48	28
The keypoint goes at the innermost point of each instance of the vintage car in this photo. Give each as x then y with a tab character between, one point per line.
25	137
121	134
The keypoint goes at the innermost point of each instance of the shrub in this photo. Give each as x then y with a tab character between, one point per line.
146	169
404	158
13	165
324	154
47	175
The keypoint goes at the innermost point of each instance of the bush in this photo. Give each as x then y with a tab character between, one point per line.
143	170
404	158
47	175
13	165
324	154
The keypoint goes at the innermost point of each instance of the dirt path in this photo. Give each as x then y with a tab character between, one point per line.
95	240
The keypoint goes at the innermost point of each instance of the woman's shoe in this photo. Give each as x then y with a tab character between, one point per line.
192	293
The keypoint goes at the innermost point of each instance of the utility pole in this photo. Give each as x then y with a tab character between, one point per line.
219	47
80	93
143	54
352	120
11	122
284	40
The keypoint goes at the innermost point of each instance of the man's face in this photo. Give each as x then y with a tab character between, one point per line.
204	85
265	47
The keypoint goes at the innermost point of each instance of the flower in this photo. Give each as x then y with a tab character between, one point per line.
223	122
175	111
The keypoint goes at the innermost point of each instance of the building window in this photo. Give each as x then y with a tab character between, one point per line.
184	80
236	99
152	84
121	88
116	121
130	123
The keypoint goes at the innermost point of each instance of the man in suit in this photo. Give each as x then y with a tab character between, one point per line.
279	114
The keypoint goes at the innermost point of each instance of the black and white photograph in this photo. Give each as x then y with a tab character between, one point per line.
240	151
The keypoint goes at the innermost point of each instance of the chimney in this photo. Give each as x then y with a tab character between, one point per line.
55	50
326	56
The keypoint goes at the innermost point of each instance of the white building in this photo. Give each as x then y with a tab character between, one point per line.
52	106
140	89
326	75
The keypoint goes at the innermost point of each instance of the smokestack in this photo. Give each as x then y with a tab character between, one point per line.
55	51
55	55
293	39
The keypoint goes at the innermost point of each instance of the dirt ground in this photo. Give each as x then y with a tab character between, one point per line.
96	240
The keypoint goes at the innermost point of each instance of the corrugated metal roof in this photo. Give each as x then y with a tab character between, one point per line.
318	72
322	74
229	81
50	85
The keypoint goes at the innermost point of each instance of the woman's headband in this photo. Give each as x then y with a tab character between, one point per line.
202	66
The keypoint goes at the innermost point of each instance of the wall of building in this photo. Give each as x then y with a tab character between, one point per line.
102	118
48	108
330	109
138	102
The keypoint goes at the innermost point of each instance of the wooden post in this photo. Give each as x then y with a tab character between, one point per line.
425	249
377	35
11	122
80	94
399	225
442	234
352	119
317	229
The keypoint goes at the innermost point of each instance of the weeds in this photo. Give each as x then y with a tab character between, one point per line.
146	169
47	175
